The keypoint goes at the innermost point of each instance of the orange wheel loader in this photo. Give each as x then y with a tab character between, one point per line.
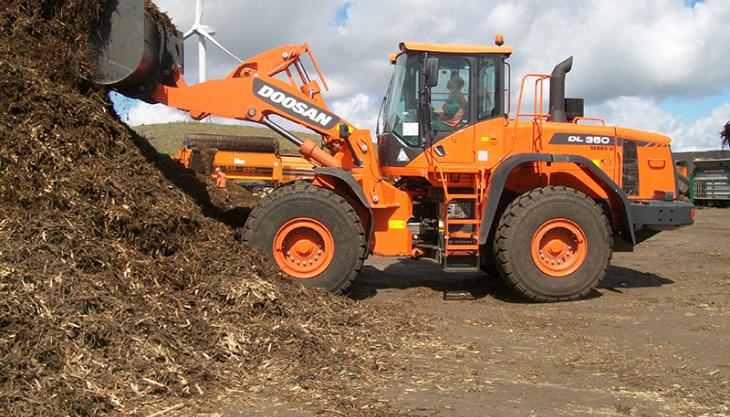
543	196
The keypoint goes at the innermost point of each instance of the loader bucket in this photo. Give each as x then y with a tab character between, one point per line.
135	49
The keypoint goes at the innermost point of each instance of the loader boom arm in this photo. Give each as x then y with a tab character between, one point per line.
274	82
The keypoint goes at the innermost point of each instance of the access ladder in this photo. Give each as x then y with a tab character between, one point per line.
464	196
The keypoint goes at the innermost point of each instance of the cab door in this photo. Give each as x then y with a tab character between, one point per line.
489	109
452	111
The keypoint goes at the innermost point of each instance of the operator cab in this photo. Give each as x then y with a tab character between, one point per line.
437	91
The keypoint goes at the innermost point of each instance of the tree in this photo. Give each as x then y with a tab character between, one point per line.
726	135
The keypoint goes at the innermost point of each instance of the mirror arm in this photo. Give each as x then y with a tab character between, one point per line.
508	86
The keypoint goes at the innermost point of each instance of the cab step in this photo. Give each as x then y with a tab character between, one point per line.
453	197
464	221
452	248
462	264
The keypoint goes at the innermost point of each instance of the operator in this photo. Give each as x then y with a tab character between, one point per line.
449	116
220	178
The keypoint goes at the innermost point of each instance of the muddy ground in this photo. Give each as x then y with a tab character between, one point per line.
653	340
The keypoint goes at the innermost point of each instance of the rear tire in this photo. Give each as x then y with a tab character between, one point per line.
553	244
312	234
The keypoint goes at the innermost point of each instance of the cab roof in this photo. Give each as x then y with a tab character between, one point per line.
454	49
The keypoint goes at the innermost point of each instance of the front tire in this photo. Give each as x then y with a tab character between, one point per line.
553	244
311	234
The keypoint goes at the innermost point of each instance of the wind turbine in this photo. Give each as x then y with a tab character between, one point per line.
205	33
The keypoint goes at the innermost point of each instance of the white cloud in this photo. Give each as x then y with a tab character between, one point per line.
339	87
141	113
704	133
136	113
651	50
359	110
645	114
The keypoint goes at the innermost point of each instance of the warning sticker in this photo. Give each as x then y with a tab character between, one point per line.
410	129
402	157
396	224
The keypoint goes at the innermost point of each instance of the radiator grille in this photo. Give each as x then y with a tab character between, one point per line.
630	181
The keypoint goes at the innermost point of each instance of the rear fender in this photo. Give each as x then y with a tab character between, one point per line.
617	197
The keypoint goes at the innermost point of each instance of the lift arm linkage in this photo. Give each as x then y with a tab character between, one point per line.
274	82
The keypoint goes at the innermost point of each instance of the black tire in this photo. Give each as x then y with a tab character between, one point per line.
488	265
331	210
519	223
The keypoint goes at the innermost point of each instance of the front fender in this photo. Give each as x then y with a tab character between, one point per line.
346	179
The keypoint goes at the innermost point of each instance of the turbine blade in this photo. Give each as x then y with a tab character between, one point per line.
216	43
198	11
188	33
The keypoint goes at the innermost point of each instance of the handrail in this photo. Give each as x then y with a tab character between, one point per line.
538	83
538	117
595	119
444	182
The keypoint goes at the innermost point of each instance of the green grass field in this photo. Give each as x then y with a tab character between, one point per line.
168	138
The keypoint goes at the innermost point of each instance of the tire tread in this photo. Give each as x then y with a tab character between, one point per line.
513	214
297	190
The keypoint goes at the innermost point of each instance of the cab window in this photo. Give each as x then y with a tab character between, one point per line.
401	108
450	98
488	100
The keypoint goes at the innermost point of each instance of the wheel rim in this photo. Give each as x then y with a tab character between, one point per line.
559	247
303	248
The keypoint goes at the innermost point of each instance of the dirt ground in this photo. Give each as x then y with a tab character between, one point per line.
654	340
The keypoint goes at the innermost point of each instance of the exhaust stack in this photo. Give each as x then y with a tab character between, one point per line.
557	91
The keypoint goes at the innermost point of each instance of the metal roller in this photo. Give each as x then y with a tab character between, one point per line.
259	144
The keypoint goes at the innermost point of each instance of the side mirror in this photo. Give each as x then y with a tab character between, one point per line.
432	72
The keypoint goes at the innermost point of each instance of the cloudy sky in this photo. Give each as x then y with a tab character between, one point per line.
658	65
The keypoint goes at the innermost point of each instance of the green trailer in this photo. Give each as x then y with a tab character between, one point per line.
710	182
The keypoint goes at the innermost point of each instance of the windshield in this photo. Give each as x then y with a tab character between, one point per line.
401	106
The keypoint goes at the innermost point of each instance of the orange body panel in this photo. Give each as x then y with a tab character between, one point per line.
655	162
392	237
